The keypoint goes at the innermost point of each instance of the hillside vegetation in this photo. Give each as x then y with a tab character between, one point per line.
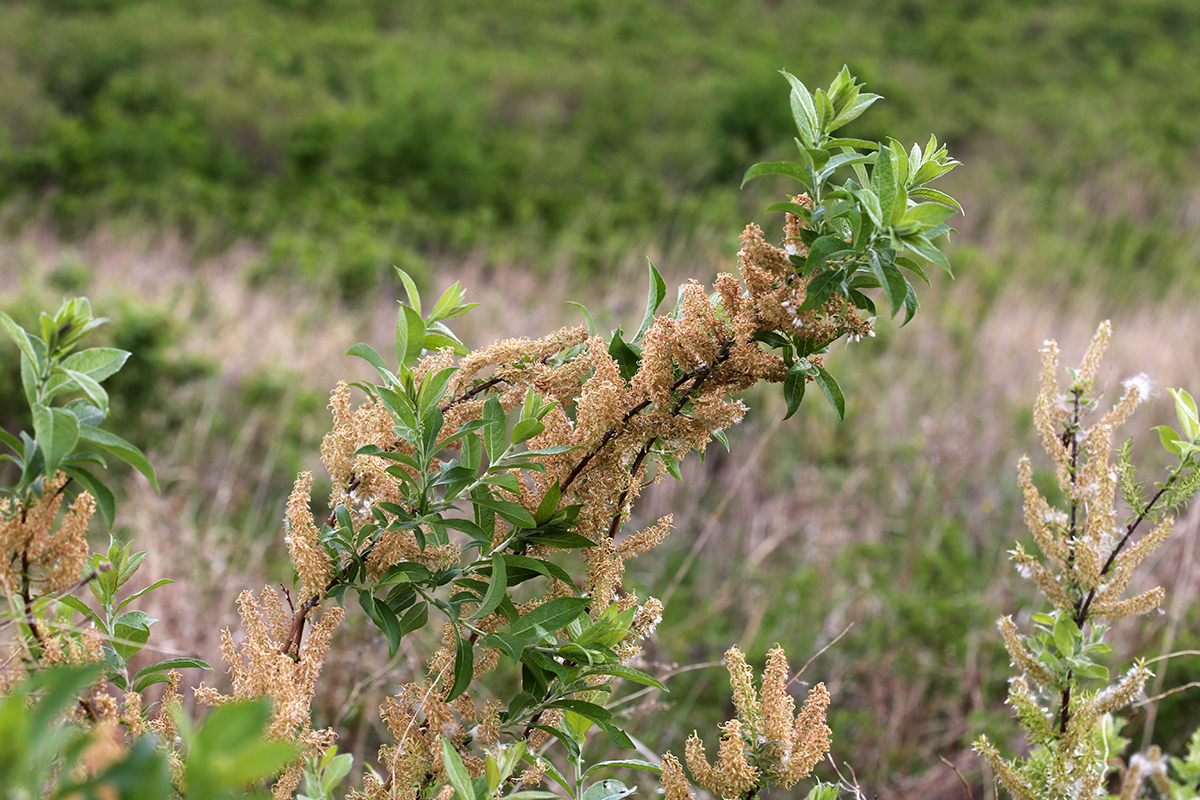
349	135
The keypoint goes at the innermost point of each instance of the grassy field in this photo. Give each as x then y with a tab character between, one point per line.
231	183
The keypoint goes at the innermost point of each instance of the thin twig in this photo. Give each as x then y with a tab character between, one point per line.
819	653
467	395
958	772
1158	697
1165	656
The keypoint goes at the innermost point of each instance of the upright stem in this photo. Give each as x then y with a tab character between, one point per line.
1064	714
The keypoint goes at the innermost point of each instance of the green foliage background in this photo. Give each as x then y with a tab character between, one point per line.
333	139
348	135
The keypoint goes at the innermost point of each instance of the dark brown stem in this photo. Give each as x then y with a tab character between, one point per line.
291	644
467	395
612	432
633	471
1064	713
608	436
1072	432
86	707
27	597
529	729
1083	607
692	391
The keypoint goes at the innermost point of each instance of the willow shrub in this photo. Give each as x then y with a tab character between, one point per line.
484	493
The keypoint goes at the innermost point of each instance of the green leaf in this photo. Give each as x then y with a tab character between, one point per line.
156	585
921	245
410	336
131	630
548	504
13	442
368	354
497	588
508	511
512	646
870	203
1066	634
19	336
560	539
895	287
105	500
29	381
121	449
832	391
793	390
822	250
547	568
823	791
911	304
860	143
853	112
629	763
912	266
1185	410
464	666
494	429
433	389
410	289
804	113
627	356
654	298
404	572
924	216
97	363
89	386
57	433
229	752
885	185
628	673
414	619
587	317
597	714
456	771
840	160
1090	670
440	341
85	412
550	616
450	304
156	673
790	208
787	168
923	193
607	790
526	429
1169	439
821	288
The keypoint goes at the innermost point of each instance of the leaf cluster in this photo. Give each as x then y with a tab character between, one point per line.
855	231
66	436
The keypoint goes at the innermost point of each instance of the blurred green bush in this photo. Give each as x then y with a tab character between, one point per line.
350	135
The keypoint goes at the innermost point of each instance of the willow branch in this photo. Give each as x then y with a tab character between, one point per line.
693	390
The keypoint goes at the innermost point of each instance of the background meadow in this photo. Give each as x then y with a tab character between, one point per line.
231	183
